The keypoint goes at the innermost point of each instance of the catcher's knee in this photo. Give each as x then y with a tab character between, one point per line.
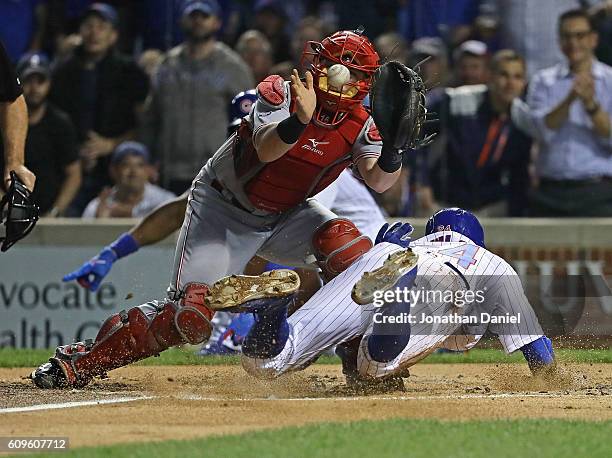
193	317
337	244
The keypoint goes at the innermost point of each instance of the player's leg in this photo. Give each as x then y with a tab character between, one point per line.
392	343
313	235
328	318
127	337
214	241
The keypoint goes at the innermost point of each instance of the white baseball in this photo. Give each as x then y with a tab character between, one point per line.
337	76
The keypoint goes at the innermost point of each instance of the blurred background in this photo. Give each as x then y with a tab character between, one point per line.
163	73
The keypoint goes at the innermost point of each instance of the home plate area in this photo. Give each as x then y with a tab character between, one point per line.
143	403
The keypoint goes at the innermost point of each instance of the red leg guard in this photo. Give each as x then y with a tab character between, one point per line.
338	243
124	338
193	318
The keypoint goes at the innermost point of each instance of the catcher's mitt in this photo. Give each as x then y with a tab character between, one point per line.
397	99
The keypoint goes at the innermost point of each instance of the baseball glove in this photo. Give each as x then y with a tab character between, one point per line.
397	99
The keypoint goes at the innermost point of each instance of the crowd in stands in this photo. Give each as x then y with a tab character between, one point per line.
127	100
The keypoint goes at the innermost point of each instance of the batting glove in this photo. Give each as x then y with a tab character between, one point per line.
399	234
91	274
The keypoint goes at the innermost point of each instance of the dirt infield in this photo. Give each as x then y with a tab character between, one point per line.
194	401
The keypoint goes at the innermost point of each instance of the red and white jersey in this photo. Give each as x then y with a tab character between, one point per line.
315	161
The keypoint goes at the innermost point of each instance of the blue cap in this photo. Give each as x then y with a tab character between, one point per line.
210	7
241	106
457	220
33	63
130	149
105	11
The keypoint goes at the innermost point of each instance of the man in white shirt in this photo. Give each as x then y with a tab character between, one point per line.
132	196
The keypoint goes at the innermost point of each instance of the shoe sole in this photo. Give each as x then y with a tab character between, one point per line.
235	290
385	277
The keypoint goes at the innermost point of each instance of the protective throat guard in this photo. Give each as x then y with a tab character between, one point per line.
18	213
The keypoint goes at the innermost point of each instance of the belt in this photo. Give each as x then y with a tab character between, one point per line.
219	187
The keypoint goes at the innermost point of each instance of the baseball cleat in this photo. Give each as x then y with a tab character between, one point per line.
385	277
234	291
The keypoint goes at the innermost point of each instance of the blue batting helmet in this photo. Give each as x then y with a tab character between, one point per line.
241	106
457	220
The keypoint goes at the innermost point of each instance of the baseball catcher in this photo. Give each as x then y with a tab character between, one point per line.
252	198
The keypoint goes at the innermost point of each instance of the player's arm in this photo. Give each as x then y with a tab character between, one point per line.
154	227
273	140
375	177
507	295
378	166
14	127
161	222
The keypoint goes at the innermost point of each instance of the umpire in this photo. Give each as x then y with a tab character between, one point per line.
13	124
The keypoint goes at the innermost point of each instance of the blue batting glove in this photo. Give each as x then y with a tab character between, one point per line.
91	274
399	234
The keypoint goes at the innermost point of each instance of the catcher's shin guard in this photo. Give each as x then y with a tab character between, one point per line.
193	318
127	337
124	338
338	243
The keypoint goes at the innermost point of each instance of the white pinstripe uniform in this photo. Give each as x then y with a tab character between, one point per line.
348	198
331	317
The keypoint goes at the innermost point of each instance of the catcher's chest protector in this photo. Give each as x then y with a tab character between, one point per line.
312	164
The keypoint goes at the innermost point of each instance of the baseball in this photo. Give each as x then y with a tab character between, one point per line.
337	76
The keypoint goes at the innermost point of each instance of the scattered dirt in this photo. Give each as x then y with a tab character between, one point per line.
195	401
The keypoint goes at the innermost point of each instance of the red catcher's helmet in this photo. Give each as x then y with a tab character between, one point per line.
354	51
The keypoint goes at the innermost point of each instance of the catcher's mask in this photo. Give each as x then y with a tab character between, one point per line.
18	213
351	49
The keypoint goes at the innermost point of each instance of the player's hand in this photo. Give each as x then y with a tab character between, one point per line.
304	95
399	234
24	174
91	274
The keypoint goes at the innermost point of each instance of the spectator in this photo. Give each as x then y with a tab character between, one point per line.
471	63
392	46
132	196
102	92
186	115
22	26
51	146
602	20
256	51
571	105
149	62
450	20
271	19
308	29
484	166
529	27
434	70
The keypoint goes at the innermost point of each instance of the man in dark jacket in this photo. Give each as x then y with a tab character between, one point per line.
101	91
